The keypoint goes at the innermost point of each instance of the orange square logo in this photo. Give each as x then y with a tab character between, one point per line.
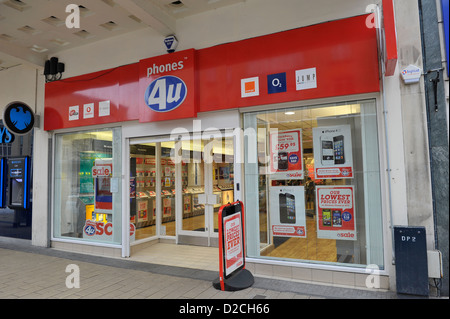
250	87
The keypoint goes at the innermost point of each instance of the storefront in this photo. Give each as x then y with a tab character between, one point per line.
289	123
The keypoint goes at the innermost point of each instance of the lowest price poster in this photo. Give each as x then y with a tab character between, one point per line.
286	155
335	212
287	211
234	257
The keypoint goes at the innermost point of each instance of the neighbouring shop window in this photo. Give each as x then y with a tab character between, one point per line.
15	223
312	176
87	186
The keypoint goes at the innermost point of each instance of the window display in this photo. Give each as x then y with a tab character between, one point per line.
87	201
315	184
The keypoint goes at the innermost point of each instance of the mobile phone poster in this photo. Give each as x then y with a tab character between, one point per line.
335	212
333	157
287	211
286	155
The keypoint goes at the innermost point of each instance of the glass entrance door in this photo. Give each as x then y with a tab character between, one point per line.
178	187
208	182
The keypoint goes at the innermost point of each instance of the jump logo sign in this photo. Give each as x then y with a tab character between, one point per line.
167	87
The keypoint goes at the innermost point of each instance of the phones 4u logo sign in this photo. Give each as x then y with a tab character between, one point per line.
167	87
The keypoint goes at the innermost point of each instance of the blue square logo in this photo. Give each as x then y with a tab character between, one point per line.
276	83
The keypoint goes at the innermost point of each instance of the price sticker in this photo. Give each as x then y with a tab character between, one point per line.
286	142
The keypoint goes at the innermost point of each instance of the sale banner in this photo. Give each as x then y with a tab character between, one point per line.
286	155
287	211
97	230
102	172
333	157
335	212
233	241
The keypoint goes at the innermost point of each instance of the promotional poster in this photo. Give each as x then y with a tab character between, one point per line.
287	211
286	155
233	239
333	157
335	212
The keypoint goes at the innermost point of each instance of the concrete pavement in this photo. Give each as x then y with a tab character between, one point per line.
29	272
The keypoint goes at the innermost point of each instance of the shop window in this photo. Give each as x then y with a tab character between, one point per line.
87	186
312	176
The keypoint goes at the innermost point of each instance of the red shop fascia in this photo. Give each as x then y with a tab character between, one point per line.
337	58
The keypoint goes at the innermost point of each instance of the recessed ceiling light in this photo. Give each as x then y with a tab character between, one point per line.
133	17
6	37
29	30
38	49
84	34
110	3
84	12
60	42
111	25
290	113
52	20
16	4
177	4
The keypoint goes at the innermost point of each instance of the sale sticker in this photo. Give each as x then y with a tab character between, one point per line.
286	155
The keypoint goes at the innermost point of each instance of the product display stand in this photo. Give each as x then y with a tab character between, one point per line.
241	280
232	273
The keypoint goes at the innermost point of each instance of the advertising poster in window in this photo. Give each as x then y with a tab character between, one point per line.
335	212
286	158
142	211
102	172
167	207
333	157
234	257
287	211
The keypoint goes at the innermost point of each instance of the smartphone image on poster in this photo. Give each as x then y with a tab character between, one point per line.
326	217
287	208
338	142
327	151
337	218
283	163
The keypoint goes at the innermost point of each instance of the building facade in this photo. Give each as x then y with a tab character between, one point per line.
301	112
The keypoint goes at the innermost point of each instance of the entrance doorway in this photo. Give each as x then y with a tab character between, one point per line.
178	187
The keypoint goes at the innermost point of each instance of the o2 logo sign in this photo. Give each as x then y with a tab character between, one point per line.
165	94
